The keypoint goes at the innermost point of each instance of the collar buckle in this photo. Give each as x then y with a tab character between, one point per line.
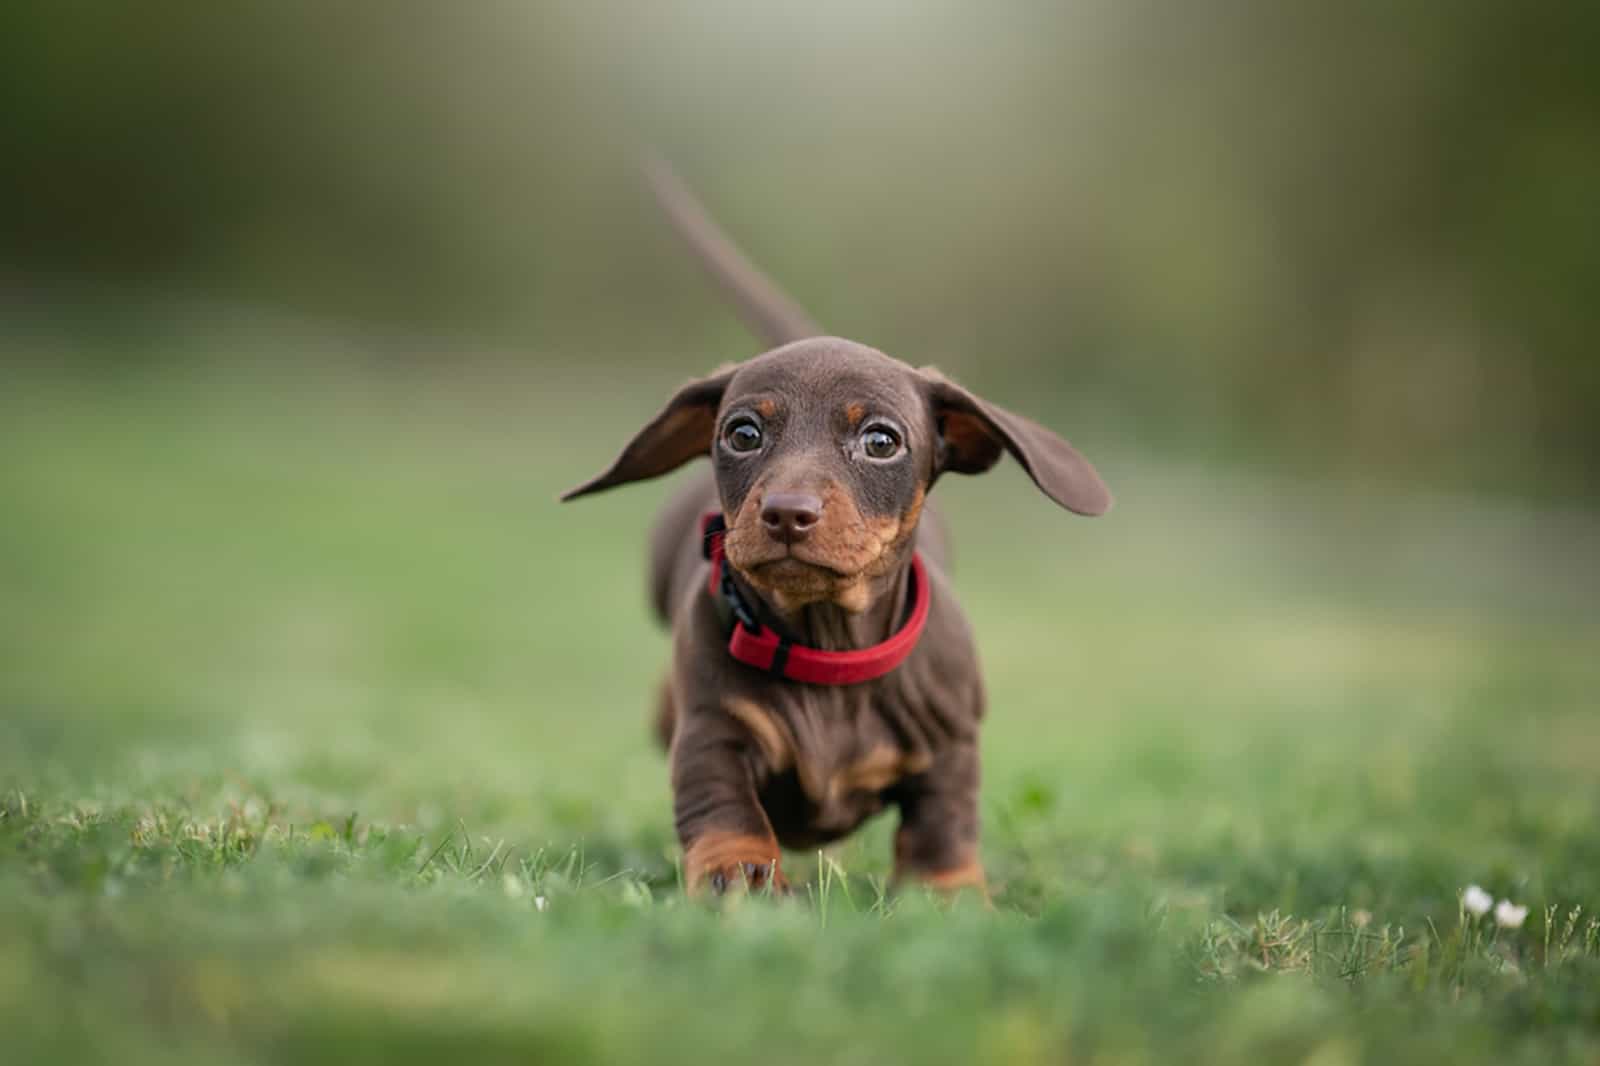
741	610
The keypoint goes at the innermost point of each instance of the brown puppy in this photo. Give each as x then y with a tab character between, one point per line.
821	667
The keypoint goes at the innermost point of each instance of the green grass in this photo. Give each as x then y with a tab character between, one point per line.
310	750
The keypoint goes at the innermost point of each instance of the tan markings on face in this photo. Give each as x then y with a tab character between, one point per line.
854	413
908	521
716	850
854	596
766	408
846	551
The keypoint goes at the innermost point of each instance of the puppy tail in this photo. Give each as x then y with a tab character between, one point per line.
768	313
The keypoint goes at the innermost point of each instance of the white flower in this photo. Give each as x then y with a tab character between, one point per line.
540	903
1476	900
1510	915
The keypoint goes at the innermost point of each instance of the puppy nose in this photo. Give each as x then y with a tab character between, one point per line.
790	516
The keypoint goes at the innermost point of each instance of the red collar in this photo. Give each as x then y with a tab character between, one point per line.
758	645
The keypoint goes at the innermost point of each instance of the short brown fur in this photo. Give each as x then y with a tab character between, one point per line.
823	453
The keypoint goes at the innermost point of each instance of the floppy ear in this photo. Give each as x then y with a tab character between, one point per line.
975	433
682	431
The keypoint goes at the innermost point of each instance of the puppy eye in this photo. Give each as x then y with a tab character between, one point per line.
742	435
880	442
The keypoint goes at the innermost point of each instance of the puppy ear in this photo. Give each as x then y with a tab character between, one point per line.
976	432
682	431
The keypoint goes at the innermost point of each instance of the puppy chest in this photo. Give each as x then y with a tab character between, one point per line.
823	770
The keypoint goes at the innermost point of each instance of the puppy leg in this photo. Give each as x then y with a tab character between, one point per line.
666	715
937	842
727	841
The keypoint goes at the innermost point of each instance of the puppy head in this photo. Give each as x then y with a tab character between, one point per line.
824	452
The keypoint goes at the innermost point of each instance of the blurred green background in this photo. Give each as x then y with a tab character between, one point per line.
1353	237
309	692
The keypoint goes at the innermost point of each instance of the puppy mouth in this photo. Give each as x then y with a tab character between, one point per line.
789	566
792	581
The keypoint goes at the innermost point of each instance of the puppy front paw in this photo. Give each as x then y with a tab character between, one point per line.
748	876
951	881
729	862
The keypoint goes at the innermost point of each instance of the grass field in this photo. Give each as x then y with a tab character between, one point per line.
311	750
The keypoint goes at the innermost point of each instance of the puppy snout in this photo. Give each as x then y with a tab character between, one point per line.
790	516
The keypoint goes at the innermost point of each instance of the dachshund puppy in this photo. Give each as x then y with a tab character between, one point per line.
821	668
